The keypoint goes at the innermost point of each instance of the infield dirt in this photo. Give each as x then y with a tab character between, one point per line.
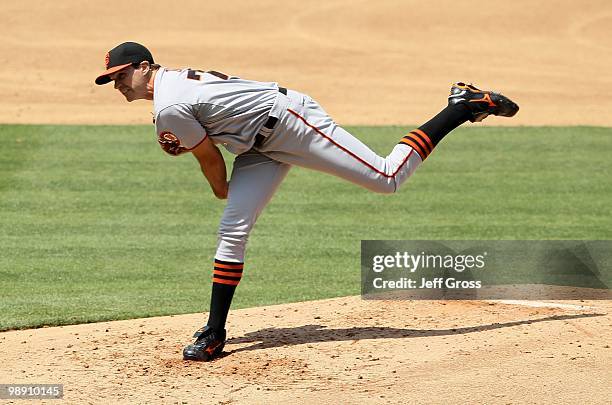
370	63
367	63
344	350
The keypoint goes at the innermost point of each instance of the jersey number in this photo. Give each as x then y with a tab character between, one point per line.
197	74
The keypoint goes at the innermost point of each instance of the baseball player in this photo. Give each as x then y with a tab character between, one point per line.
269	129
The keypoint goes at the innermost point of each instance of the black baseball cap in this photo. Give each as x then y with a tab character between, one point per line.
122	56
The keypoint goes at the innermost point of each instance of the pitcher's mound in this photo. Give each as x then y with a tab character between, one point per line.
343	350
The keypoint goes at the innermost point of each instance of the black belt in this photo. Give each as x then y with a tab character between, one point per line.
271	122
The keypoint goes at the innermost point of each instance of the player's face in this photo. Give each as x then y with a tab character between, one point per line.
131	82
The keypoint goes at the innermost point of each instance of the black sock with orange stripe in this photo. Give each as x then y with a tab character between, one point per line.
428	135
445	121
226	277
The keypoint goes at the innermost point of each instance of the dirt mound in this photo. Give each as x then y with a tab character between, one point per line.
341	350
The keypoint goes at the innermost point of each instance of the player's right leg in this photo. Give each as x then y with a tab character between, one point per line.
254	180
306	136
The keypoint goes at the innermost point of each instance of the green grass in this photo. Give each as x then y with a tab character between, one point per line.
98	223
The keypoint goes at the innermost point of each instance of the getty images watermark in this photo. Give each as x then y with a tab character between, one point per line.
486	269
416	263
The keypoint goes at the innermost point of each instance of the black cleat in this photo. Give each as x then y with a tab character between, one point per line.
481	103
208	345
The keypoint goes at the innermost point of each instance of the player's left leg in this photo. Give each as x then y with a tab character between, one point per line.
254	180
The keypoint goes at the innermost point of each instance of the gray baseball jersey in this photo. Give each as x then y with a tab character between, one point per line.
191	105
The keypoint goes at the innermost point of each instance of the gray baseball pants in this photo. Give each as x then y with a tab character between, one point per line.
303	136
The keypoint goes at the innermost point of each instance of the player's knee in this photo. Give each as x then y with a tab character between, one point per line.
389	190
383	187
231	248
233	236
232	241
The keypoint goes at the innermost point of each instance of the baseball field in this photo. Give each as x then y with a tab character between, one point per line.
107	243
